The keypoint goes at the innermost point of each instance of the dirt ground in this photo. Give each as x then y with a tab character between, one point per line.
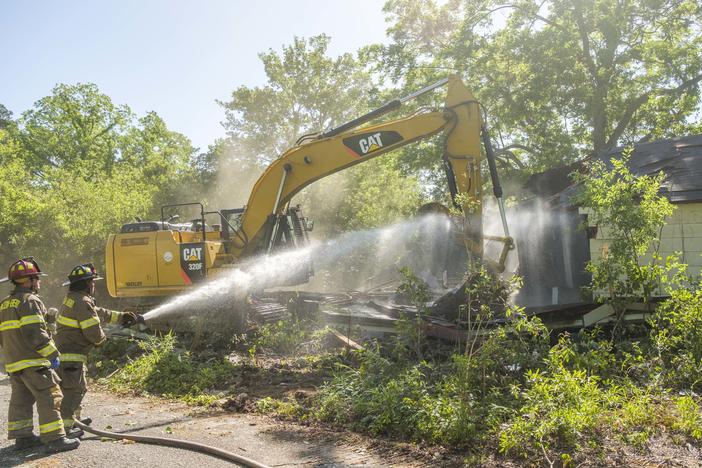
265	440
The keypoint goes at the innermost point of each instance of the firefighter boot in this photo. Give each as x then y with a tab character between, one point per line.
62	444
75	433
27	442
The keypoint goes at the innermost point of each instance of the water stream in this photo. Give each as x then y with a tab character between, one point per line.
381	250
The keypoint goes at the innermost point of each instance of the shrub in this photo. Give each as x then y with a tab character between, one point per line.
282	337
561	408
688	417
631	208
457	404
172	373
677	334
285	409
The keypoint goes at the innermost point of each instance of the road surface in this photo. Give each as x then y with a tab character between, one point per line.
254	436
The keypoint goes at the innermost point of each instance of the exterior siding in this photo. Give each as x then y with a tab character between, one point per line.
681	235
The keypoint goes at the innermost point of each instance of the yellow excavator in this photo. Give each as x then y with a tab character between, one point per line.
161	258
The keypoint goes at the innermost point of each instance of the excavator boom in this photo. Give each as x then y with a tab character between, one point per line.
302	165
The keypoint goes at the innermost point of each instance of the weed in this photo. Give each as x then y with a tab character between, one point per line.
164	370
561	410
688	417
283	337
284	409
410	334
677	335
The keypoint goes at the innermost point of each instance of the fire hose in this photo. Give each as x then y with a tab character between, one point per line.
178	443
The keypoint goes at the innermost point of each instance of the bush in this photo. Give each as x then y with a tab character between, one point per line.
688	417
457	404
561	409
631	208
172	373
106	359
282	337
285	409
677	334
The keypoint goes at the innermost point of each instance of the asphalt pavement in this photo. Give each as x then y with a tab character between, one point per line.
254	436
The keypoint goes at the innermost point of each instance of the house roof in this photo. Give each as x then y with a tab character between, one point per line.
679	158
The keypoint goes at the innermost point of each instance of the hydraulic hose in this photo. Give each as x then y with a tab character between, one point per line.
178	443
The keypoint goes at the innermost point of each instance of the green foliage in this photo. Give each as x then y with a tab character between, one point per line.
410	334
565	406
493	366
560	79
632	212
485	296
284	409
282	337
110	356
677	335
372	195
306	91
459	404
379	397
689	417
560	409
74	168
164	370
23	206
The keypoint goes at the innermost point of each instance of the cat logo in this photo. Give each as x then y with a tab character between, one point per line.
370	144
193	254
367	143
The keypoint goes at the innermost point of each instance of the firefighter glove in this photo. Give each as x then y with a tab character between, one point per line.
55	363
129	319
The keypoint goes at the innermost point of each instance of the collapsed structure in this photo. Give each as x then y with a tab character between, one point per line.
555	248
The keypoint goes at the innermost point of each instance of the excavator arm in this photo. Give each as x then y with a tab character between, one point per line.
344	147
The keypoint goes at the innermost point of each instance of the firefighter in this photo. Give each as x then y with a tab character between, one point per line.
30	359
77	331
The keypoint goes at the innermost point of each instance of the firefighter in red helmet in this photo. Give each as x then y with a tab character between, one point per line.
30	359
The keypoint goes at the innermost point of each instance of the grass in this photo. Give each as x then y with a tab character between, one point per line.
164	370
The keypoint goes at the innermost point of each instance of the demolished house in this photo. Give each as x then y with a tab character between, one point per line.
556	244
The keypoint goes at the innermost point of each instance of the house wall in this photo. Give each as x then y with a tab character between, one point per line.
681	234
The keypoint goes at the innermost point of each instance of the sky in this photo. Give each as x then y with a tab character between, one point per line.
174	57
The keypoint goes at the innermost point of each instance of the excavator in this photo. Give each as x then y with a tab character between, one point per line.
164	257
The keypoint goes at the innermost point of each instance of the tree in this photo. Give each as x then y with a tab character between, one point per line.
375	194
227	172
77	126
22	204
308	92
633	213
75	167
5	117
560	78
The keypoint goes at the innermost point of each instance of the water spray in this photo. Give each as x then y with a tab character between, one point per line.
269	270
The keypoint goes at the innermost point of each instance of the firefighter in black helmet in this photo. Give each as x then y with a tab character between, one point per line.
78	329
